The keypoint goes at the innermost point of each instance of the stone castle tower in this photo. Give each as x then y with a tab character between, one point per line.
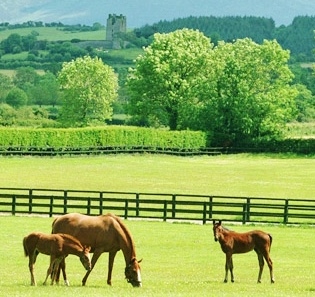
115	24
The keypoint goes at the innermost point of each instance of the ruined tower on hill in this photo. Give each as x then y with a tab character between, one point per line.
116	24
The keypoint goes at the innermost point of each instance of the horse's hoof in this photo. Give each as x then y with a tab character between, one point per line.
225	281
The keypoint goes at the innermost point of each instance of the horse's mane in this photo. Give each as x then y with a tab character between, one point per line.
124	228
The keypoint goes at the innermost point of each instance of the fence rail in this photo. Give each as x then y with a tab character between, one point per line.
161	206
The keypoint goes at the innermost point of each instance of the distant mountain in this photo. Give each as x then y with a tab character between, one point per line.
142	12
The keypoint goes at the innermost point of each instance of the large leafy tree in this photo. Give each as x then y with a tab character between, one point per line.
89	88
253	96
236	91
170	78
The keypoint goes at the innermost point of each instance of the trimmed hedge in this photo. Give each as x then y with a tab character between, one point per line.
111	136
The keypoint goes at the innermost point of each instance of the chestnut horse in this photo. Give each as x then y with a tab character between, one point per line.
58	246
104	233
237	243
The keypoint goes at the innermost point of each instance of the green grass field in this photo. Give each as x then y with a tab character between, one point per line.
178	260
275	176
55	34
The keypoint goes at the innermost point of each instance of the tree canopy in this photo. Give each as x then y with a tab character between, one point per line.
89	88
235	91
168	79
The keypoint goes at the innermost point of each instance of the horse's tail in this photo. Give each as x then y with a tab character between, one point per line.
270	237
24	246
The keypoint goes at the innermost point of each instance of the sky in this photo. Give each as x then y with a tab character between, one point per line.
142	12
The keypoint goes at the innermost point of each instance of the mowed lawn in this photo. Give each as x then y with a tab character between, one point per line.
274	176
178	260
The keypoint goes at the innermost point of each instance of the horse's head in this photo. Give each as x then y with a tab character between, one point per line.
85	258
217	229
132	273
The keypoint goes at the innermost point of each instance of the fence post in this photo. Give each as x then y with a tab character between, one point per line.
126	210
210	207
65	200
165	211
204	216
89	206
30	201
13	204
248	210
137	205
51	206
244	213
101	203
173	206
286	212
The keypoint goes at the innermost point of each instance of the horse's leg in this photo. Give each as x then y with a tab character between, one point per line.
50	270
54	269
228	266
62	267
261	265
111	258
231	270
270	265
96	255
31	262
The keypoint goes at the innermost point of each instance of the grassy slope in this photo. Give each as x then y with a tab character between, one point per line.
53	34
190	264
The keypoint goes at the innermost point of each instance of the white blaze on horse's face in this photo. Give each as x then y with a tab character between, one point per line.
139	278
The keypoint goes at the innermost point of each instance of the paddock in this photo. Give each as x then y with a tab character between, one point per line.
185	261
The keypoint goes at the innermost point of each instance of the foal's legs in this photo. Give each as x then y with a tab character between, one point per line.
62	267
269	263
31	264
261	265
261	256
228	266
52	269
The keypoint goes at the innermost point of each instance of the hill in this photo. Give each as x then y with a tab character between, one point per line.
54	34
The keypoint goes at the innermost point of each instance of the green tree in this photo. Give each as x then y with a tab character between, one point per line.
45	91
16	98
5	86
89	88
253	96
25	77
305	102
170	78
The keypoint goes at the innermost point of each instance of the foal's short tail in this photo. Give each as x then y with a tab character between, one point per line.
24	246
270	241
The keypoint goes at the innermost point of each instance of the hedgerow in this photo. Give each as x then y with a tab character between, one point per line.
111	136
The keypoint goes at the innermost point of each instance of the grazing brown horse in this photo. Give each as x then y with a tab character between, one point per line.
104	233
237	243
58	246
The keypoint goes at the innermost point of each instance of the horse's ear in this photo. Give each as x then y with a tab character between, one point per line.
213	222
220	222
140	261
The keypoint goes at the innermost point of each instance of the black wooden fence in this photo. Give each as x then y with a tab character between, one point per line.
175	207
